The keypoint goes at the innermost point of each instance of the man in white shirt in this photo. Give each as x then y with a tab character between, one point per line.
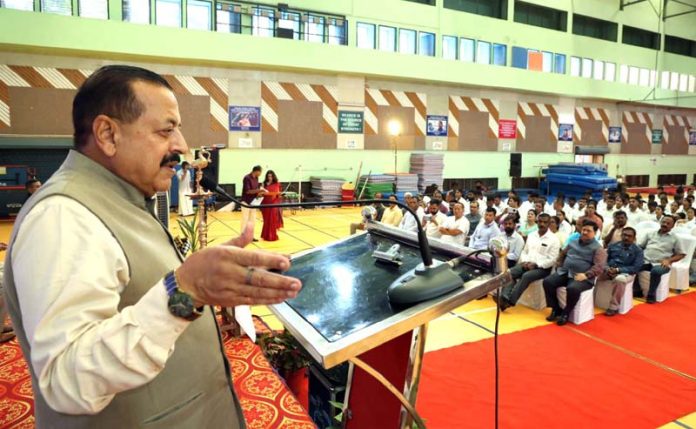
95	310
634	214
570	211
537	258
408	222
580	210
498	204
528	205
455	228
485	231
608	208
565	227
434	219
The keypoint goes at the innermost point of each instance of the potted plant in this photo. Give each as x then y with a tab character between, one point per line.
289	359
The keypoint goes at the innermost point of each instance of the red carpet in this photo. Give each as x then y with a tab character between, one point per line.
663	332
265	399
551	377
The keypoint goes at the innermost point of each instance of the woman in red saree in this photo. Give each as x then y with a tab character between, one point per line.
271	216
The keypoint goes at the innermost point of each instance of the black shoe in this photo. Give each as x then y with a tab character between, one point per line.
554	315
611	312
562	320
637	293
255	240
651	300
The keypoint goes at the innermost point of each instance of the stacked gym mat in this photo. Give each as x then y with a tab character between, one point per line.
383	183
326	188
428	167
576	179
406	182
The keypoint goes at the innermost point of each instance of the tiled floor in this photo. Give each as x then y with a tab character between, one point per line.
309	228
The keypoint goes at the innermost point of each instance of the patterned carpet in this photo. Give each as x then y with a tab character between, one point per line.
265	399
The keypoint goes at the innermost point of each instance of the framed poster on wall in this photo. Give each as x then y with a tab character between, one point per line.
436	125
565	132
245	118
614	134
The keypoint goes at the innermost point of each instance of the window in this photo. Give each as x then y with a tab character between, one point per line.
93	9
674	81
387	38
483	52
653	78
644	77
290	22
499	54
337	32
638	37
466	50
168	13
692	84
18	4
492	8
559	64
540	16
598	70
430	2
677	45
593	27
623	73
609	71
449	47
575	66
60	7
426	44
407	41
314	29
664	80
633	75
366	36
136	11
262	22
683	82
198	14
547	62
586	67
229	18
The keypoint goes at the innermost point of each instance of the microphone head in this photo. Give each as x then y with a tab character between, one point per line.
208	183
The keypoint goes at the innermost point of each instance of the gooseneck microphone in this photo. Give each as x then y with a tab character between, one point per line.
426	281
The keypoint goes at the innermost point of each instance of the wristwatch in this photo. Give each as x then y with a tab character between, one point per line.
180	303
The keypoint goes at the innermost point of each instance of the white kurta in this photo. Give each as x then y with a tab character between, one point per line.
185	203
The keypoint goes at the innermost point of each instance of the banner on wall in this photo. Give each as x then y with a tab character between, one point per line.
436	125
657	136
692	138
614	134
350	122
565	132
245	118
507	129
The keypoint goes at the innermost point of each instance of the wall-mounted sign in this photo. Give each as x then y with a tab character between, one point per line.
614	134
507	129
436	125
437	145
565	132
246	143
245	118
692	138
656	136
350	122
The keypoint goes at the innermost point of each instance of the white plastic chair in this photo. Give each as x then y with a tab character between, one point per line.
534	296
662	291
584	309
603	292
679	278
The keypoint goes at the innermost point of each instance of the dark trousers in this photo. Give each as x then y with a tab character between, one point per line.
573	290
522	278
656	272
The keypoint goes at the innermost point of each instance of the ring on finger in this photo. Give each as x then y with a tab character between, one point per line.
249	275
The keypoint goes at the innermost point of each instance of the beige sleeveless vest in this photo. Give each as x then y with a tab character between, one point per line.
194	390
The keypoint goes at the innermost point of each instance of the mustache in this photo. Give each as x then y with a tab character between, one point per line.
170	158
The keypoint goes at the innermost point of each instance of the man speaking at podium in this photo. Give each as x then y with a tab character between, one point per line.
116	328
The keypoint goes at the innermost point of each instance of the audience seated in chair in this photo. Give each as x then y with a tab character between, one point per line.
485	231
624	260
578	265
661	250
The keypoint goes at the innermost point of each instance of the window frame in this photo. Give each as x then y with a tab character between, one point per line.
374	34
181	13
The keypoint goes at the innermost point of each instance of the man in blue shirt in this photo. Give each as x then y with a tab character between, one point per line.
624	259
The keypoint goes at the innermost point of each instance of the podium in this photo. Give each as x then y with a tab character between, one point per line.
343	314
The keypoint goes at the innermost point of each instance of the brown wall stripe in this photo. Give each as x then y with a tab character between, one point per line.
491	108
535	110
215	92
4	93
470	104
74	76
33	78
269	98
293	91
389	96
420	107
326	98
178	87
